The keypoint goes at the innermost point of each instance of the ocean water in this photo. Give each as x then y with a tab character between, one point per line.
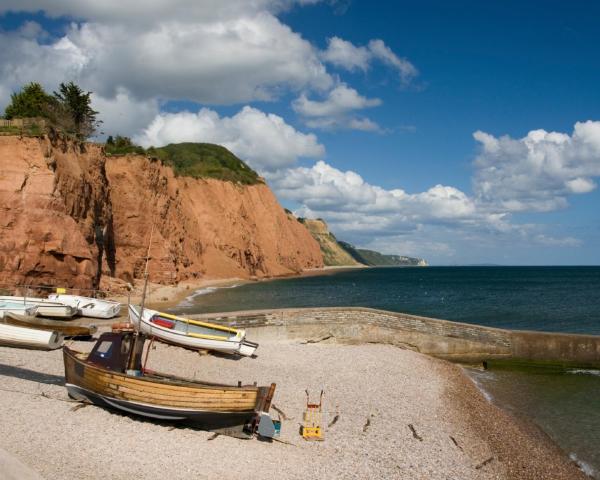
566	404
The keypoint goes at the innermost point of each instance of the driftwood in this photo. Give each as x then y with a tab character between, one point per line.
484	463
414	432
334	421
213	436
79	407
367	424
455	442
327	337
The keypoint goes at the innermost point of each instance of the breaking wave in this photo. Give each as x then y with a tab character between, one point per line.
189	300
584	371
584	467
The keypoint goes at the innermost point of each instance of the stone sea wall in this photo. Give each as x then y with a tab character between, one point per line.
459	342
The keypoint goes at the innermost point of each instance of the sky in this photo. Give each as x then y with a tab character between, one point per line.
463	132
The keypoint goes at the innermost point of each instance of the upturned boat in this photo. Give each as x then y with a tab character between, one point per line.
13	336
112	376
66	328
190	333
18	308
89	307
44	307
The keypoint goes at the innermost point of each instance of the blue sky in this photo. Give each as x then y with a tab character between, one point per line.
363	115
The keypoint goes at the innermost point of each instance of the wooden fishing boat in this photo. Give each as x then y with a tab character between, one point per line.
18	308
89	307
66	328
14	336
112	376
190	333
45	307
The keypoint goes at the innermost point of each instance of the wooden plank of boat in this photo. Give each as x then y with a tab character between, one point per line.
191	333
100	378
89	307
45	307
13	336
67	329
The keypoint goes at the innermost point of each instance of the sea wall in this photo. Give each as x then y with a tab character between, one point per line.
458	342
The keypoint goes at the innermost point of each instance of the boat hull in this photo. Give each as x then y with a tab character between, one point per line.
232	424
13	336
44	307
238	346
214	407
66	328
89	307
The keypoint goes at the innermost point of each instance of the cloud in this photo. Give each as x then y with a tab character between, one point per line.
190	11
353	205
550	241
539	171
228	56
344	54
124	114
265	141
336	110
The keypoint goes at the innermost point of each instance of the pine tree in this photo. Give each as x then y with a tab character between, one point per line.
31	101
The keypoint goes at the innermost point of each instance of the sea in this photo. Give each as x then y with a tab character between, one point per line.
564	403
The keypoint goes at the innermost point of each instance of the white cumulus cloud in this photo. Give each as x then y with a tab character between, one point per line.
183	52
336	110
345	54
537	172
264	140
352	204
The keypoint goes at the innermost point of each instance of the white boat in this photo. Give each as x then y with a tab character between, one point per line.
45	307
89	307
29	338
17	308
192	333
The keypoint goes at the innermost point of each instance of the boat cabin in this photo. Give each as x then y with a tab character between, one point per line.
118	351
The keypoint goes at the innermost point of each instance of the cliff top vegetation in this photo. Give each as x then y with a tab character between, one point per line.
205	160
196	160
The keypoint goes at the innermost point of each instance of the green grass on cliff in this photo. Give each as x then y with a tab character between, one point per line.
205	160
196	160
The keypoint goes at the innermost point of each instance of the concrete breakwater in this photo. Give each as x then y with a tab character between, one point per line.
454	341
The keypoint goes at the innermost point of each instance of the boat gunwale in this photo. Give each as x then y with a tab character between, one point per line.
213	326
157	377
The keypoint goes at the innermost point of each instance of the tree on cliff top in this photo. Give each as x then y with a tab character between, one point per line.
31	101
71	111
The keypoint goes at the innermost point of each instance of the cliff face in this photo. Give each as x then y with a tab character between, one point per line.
69	217
55	222
203	227
333	253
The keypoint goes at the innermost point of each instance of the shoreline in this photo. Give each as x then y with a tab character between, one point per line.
524	449
169	296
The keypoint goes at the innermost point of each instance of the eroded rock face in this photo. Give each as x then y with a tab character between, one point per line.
69	217
55	213
203	227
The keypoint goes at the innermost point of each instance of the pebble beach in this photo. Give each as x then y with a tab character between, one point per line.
389	413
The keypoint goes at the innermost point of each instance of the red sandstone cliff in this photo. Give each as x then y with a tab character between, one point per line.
68	217
203	227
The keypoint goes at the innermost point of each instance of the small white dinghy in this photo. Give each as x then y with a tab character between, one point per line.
45	307
192	333
89	307
22	337
16	308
